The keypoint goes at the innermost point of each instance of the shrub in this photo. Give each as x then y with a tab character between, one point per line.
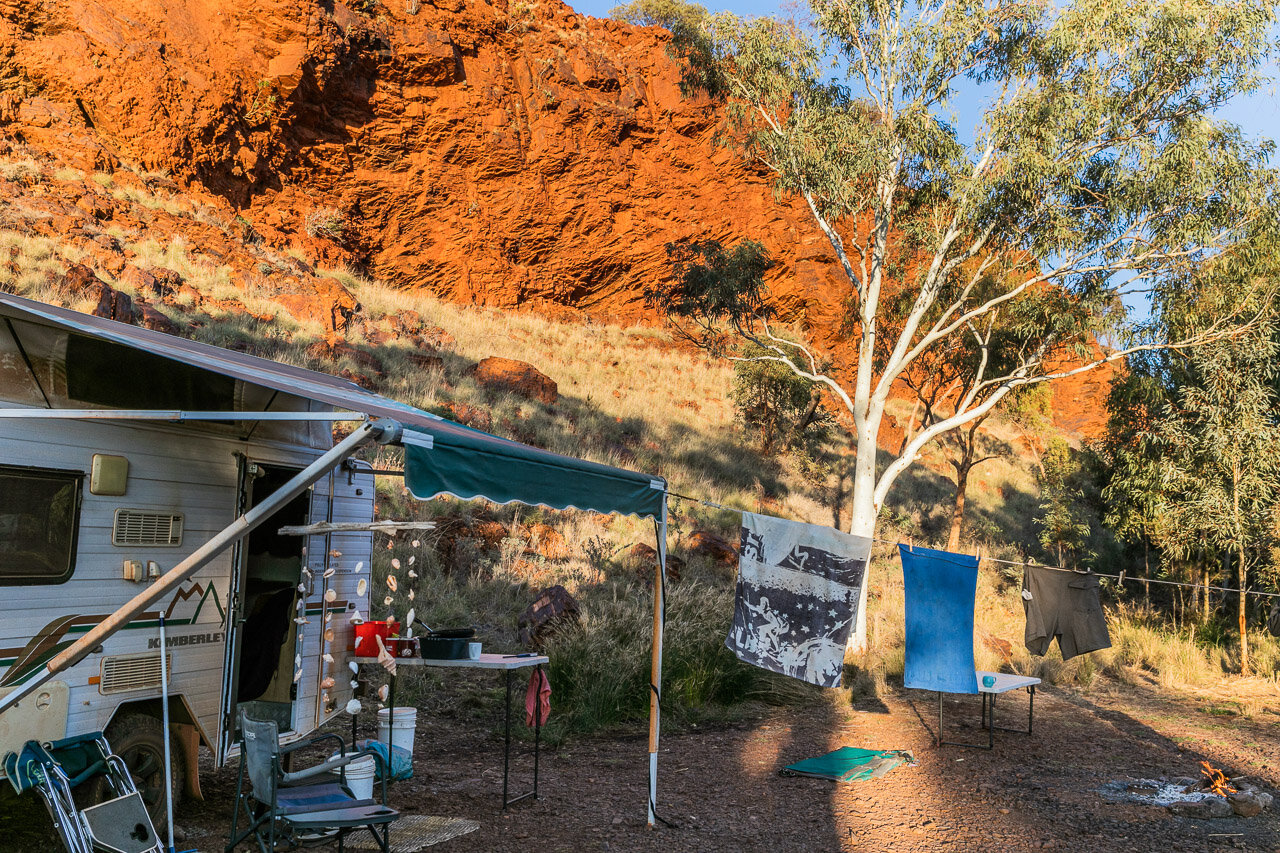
326	223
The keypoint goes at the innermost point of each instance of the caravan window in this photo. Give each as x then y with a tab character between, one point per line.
39	517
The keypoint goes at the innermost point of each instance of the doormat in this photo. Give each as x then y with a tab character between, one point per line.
413	832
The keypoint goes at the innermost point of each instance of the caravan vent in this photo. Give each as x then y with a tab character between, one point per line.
131	672
135	527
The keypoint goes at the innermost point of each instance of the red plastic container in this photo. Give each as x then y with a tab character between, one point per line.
367	631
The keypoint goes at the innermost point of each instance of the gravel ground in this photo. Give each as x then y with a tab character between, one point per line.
720	789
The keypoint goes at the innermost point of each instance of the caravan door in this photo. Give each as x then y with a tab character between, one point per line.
267	604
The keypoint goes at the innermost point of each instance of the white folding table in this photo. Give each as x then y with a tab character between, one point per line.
1001	682
506	663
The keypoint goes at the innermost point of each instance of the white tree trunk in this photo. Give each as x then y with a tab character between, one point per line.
863	519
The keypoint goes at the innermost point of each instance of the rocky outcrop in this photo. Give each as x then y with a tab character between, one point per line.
510	155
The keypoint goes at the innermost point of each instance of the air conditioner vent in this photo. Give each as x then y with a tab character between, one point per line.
132	672
135	527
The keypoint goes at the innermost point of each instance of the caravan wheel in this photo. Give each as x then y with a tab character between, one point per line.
139	740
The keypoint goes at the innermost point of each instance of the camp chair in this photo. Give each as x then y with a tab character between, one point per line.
305	806
940	589
119	825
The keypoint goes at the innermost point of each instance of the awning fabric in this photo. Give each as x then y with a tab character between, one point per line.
441	457
473	464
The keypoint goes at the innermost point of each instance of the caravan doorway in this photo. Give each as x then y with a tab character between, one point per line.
266	634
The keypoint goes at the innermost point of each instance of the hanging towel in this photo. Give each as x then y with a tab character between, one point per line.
850	764
1063	605
797	597
537	699
940	588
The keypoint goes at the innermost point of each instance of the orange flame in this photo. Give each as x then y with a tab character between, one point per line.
1215	780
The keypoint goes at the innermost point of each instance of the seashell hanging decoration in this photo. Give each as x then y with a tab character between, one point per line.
411	595
354	684
335	554
362	587
412	573
297	676
331	595
327	682
359	565
356	617
302	588
408	618
328	617
395	562
297	661
354	667
326	657
412	560
328	573
329	635
354	707
302	620
357	643
387	601
389	545
416	543
383	692
324	698
392	583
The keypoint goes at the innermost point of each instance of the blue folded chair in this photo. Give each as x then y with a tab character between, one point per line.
940	590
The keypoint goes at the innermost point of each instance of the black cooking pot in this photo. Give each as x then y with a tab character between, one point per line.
446	643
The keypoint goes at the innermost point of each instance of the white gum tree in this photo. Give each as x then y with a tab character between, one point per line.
1096	171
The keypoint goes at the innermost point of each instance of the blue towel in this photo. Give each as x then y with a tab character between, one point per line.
940	591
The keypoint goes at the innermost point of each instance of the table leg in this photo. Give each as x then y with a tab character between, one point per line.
1031	705
506	749
537	729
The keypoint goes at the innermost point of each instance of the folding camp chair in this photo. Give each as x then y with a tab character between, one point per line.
940	589
118	825
305	806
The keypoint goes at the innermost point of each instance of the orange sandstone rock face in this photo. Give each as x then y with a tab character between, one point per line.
517	377
501	156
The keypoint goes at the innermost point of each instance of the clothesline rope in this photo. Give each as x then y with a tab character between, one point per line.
1027	563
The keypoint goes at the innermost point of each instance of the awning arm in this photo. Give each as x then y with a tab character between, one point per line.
382	431
175	415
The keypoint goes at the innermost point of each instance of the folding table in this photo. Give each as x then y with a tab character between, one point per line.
506	663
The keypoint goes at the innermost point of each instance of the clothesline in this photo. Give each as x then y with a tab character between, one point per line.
1120	577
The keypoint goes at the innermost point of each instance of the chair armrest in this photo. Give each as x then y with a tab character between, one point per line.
342	744
319	769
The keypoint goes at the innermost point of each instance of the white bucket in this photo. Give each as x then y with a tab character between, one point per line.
401	730
360	775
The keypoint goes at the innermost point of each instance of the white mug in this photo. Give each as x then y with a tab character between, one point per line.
473	651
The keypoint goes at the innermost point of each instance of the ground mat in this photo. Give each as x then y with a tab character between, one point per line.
412	833
850	764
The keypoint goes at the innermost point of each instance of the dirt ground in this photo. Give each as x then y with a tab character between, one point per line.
720	789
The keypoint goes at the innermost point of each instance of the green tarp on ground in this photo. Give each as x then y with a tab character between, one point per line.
449	458
850	764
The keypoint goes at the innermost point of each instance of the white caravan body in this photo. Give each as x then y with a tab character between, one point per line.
264	624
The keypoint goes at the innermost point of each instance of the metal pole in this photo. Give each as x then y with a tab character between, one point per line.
385	431
655	671
164	717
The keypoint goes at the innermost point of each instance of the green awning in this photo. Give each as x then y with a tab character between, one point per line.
447	458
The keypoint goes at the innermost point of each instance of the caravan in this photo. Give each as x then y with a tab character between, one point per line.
94	509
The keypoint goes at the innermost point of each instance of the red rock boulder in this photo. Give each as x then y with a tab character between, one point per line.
516	377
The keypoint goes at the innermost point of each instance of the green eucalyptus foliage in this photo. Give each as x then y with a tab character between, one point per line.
1096	168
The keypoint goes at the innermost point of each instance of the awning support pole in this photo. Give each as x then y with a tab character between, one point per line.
384	431
655	673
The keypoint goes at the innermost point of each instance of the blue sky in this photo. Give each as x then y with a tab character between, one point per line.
1258	114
